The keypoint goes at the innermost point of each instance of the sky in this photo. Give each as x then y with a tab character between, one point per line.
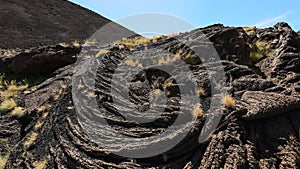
201	13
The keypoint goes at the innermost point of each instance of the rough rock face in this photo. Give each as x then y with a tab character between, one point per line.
262	130
42	60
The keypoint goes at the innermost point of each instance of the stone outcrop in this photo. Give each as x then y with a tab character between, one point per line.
260	131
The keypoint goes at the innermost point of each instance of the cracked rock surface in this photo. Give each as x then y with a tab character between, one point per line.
261	129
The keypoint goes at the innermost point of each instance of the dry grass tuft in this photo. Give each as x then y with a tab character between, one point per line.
31	139
198	112
201	91
229	100
89	42
64	44
168	84
157	92
38	125
76	44
18	112
102	52
7	105
41	164
260	49
178	54
133	42
250	30
133	63
3	161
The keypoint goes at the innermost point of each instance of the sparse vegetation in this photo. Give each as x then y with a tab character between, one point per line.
200	91
7	105
171	35
228	100
259	50
90	94
5	152
132	42
76	44
89	42
64	44
198	112
3	161
8	90
30	139
168	84
38	125
250	30
18	112
133	63
137	41
8	52
102	52
60	92
45	114
157	92
40	164
178	54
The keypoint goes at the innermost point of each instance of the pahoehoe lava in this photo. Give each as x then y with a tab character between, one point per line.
260	131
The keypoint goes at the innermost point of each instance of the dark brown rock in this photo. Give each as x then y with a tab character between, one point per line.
39	61
261	130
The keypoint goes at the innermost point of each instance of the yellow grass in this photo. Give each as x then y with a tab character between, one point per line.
133	63
14	87
18	112
157	92
3	161
45	115
56	97
31	139
38	125
250	30
198	112
40	164
177	55
200	91
102	52
88	42
229	100
168	83
64	44
8	104
76	44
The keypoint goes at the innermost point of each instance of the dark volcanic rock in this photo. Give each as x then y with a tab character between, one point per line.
31	23
260	131
41	61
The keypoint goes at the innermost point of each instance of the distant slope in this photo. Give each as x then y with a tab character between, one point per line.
29	23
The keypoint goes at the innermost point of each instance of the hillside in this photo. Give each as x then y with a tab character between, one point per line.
32	23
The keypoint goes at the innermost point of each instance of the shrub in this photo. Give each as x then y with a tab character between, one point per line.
260	49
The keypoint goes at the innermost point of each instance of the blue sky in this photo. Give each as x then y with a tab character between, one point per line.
200	13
